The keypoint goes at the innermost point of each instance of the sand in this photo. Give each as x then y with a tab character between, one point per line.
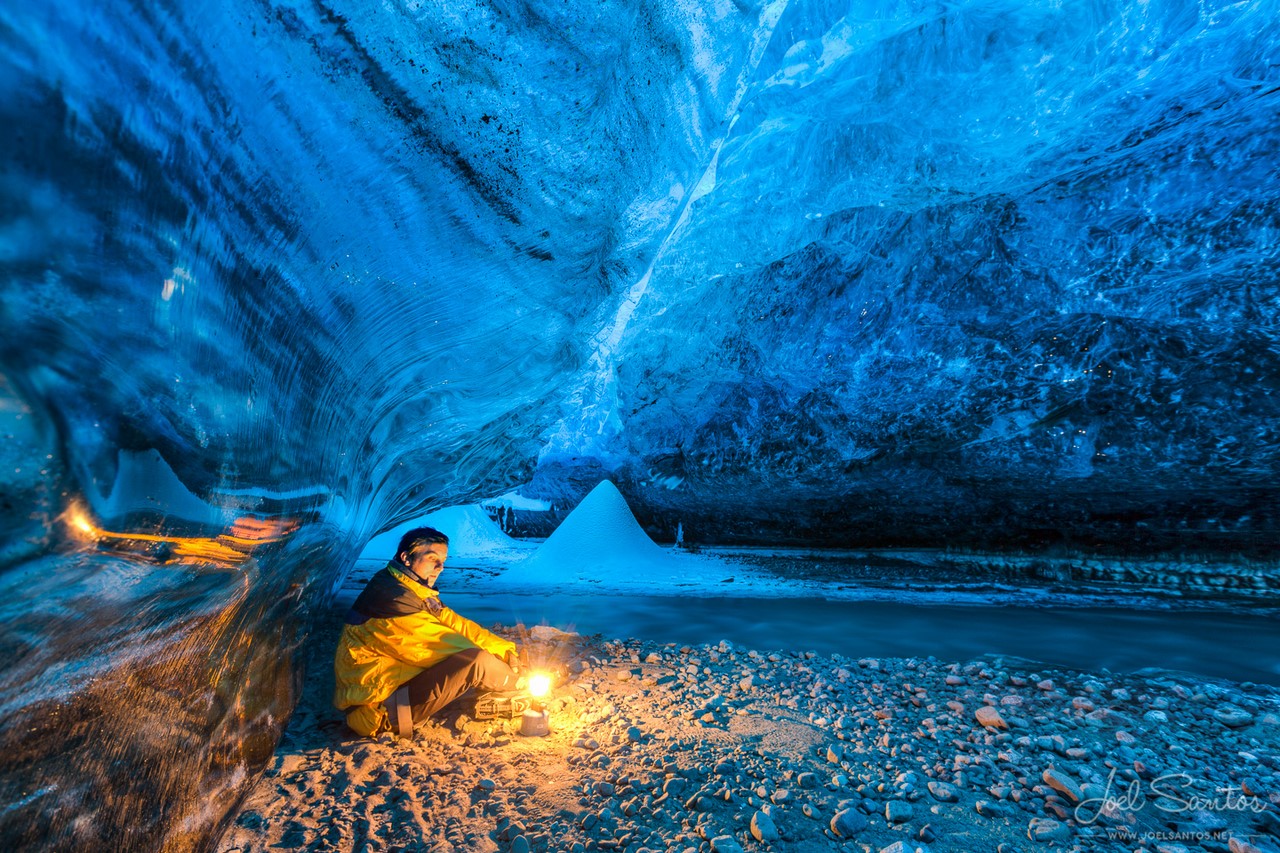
723	748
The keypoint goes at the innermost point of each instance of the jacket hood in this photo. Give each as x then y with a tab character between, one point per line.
392	592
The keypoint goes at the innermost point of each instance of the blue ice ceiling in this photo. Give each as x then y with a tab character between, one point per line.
993	273
923	267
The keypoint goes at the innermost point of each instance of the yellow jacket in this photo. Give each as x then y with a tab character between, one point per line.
396	629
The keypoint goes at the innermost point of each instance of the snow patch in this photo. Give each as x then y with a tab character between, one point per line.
514	500
600	542
470	530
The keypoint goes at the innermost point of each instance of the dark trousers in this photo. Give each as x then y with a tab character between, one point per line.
447	681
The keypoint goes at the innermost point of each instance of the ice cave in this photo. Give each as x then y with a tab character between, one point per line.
803	353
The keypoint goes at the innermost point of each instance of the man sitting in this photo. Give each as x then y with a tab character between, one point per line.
403	655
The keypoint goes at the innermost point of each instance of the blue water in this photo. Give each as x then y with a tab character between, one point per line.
1239	646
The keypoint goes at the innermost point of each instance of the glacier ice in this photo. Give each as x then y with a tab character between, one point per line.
979	273
470	530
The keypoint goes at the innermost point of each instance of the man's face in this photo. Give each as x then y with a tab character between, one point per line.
428	564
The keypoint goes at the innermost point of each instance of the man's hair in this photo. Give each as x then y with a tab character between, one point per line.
419	539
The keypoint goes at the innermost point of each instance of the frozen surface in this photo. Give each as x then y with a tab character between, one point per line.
470	530
145	483
975	273
598	547
514	500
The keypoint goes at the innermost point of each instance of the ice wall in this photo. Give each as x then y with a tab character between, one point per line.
332	262
979	271
984	273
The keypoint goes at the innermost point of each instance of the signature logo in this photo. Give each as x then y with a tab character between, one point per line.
1172	792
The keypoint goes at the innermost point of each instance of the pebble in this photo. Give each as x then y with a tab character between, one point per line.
944	791
1047	829
725	844
848	822
990	718
906	847
1233	717
763	827
1062	783
986	808
896	811
519	844
1252	787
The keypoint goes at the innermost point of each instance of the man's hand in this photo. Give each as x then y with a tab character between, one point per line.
513	660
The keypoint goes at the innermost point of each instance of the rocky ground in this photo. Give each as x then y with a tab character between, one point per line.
722	748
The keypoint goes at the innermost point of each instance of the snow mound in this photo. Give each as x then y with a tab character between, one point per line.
470	530
600	527
599	541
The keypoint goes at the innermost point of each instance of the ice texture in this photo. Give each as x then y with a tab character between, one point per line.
145	483
470	530
973	273
977	273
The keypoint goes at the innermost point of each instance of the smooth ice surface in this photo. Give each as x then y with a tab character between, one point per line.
145	483
977	273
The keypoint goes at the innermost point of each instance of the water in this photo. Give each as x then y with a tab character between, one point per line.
1240	646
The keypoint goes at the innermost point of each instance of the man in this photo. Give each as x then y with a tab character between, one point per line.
403	655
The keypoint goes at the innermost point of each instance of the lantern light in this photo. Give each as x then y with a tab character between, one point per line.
539	684
79	520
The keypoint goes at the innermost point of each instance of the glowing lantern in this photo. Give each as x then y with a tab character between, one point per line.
537	720
79	520
539	684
